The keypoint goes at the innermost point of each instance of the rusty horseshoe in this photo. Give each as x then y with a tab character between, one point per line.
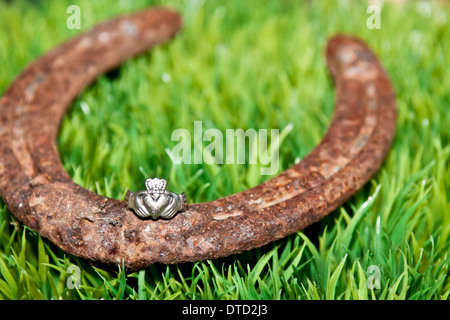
40	193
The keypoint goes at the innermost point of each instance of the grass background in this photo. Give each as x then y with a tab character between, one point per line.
248	64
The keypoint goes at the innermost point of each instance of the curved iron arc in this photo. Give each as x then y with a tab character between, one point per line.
39	192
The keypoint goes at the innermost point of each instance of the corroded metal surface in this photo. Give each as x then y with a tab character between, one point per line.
40	193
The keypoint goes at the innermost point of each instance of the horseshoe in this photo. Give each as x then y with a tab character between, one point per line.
40	193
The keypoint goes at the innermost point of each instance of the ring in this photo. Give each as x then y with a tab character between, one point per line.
156	201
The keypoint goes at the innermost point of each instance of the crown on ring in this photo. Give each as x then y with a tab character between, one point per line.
156	185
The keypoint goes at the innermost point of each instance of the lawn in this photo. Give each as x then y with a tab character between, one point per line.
248	64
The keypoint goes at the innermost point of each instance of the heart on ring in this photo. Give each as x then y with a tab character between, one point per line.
154	203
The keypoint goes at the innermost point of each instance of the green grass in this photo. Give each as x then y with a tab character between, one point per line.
248	64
